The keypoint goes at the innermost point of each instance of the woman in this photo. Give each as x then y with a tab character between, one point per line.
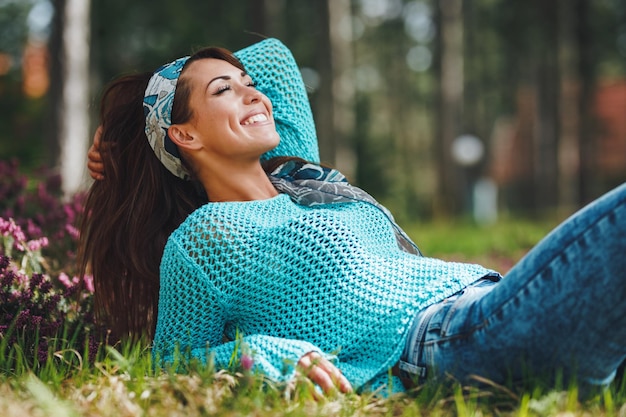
298	267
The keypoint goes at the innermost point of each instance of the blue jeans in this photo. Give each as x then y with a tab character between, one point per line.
560	311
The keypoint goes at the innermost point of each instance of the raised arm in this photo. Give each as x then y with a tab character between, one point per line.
277	75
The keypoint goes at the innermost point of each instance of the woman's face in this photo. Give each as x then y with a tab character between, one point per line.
230	117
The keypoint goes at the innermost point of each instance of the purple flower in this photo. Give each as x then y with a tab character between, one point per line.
23	318
37	244
72	231
8	278
9	228
41	225
246	362
88	279
32	228
36	280
65	280
46	287
4	262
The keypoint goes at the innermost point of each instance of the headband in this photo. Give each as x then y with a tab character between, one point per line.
275	73
157	107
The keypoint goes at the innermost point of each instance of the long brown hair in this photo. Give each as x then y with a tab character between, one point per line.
132	211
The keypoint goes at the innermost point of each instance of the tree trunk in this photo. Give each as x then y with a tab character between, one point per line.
340	15
74	127
584	34
546	138
569	105
449	198
324	105
53	117
266	17
274	17
335	111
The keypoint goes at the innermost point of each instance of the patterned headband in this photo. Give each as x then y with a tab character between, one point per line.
157	107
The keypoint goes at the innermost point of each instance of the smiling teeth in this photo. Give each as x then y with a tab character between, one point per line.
255	119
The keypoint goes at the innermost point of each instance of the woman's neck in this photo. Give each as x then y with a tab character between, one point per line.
244	183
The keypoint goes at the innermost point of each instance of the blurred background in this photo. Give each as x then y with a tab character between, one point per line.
438	108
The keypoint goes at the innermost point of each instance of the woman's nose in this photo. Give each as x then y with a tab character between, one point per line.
252	96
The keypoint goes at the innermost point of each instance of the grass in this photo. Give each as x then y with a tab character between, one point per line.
497	246
122	381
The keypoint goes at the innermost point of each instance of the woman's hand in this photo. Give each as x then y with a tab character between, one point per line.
323	373
94	159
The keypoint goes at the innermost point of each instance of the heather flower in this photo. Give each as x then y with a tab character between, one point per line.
36	280
65	280
38	238
13	236
4	262
88	279
72	231
37	244
32	229
8	228
46	286
42	211
33	311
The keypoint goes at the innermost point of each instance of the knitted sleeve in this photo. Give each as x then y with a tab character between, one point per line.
194	328
276	74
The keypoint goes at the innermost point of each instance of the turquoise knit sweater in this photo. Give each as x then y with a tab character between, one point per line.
292	279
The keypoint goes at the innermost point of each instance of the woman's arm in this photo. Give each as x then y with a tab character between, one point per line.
191	318
277	75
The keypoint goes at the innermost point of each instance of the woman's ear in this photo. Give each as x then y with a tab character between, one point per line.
183	137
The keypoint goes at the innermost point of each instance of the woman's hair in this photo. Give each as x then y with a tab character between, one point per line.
129	214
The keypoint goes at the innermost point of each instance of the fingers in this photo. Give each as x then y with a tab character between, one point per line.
94	154
97	136
95	170
322	372
94	158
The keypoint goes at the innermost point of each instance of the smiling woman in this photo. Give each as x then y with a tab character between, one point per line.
222	127
286	263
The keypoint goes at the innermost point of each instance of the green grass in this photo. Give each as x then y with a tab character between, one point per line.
123	382
497	246
125	385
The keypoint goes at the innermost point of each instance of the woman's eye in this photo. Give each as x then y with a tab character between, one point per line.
221	89
251	84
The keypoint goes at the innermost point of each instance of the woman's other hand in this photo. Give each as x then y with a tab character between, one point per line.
94	158
323	373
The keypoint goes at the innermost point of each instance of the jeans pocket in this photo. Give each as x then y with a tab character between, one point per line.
459	314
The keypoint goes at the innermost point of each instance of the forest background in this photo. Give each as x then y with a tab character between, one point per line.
436	107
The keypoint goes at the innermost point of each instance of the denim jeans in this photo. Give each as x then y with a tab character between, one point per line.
560	311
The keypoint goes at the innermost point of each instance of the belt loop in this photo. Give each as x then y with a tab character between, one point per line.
409	368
